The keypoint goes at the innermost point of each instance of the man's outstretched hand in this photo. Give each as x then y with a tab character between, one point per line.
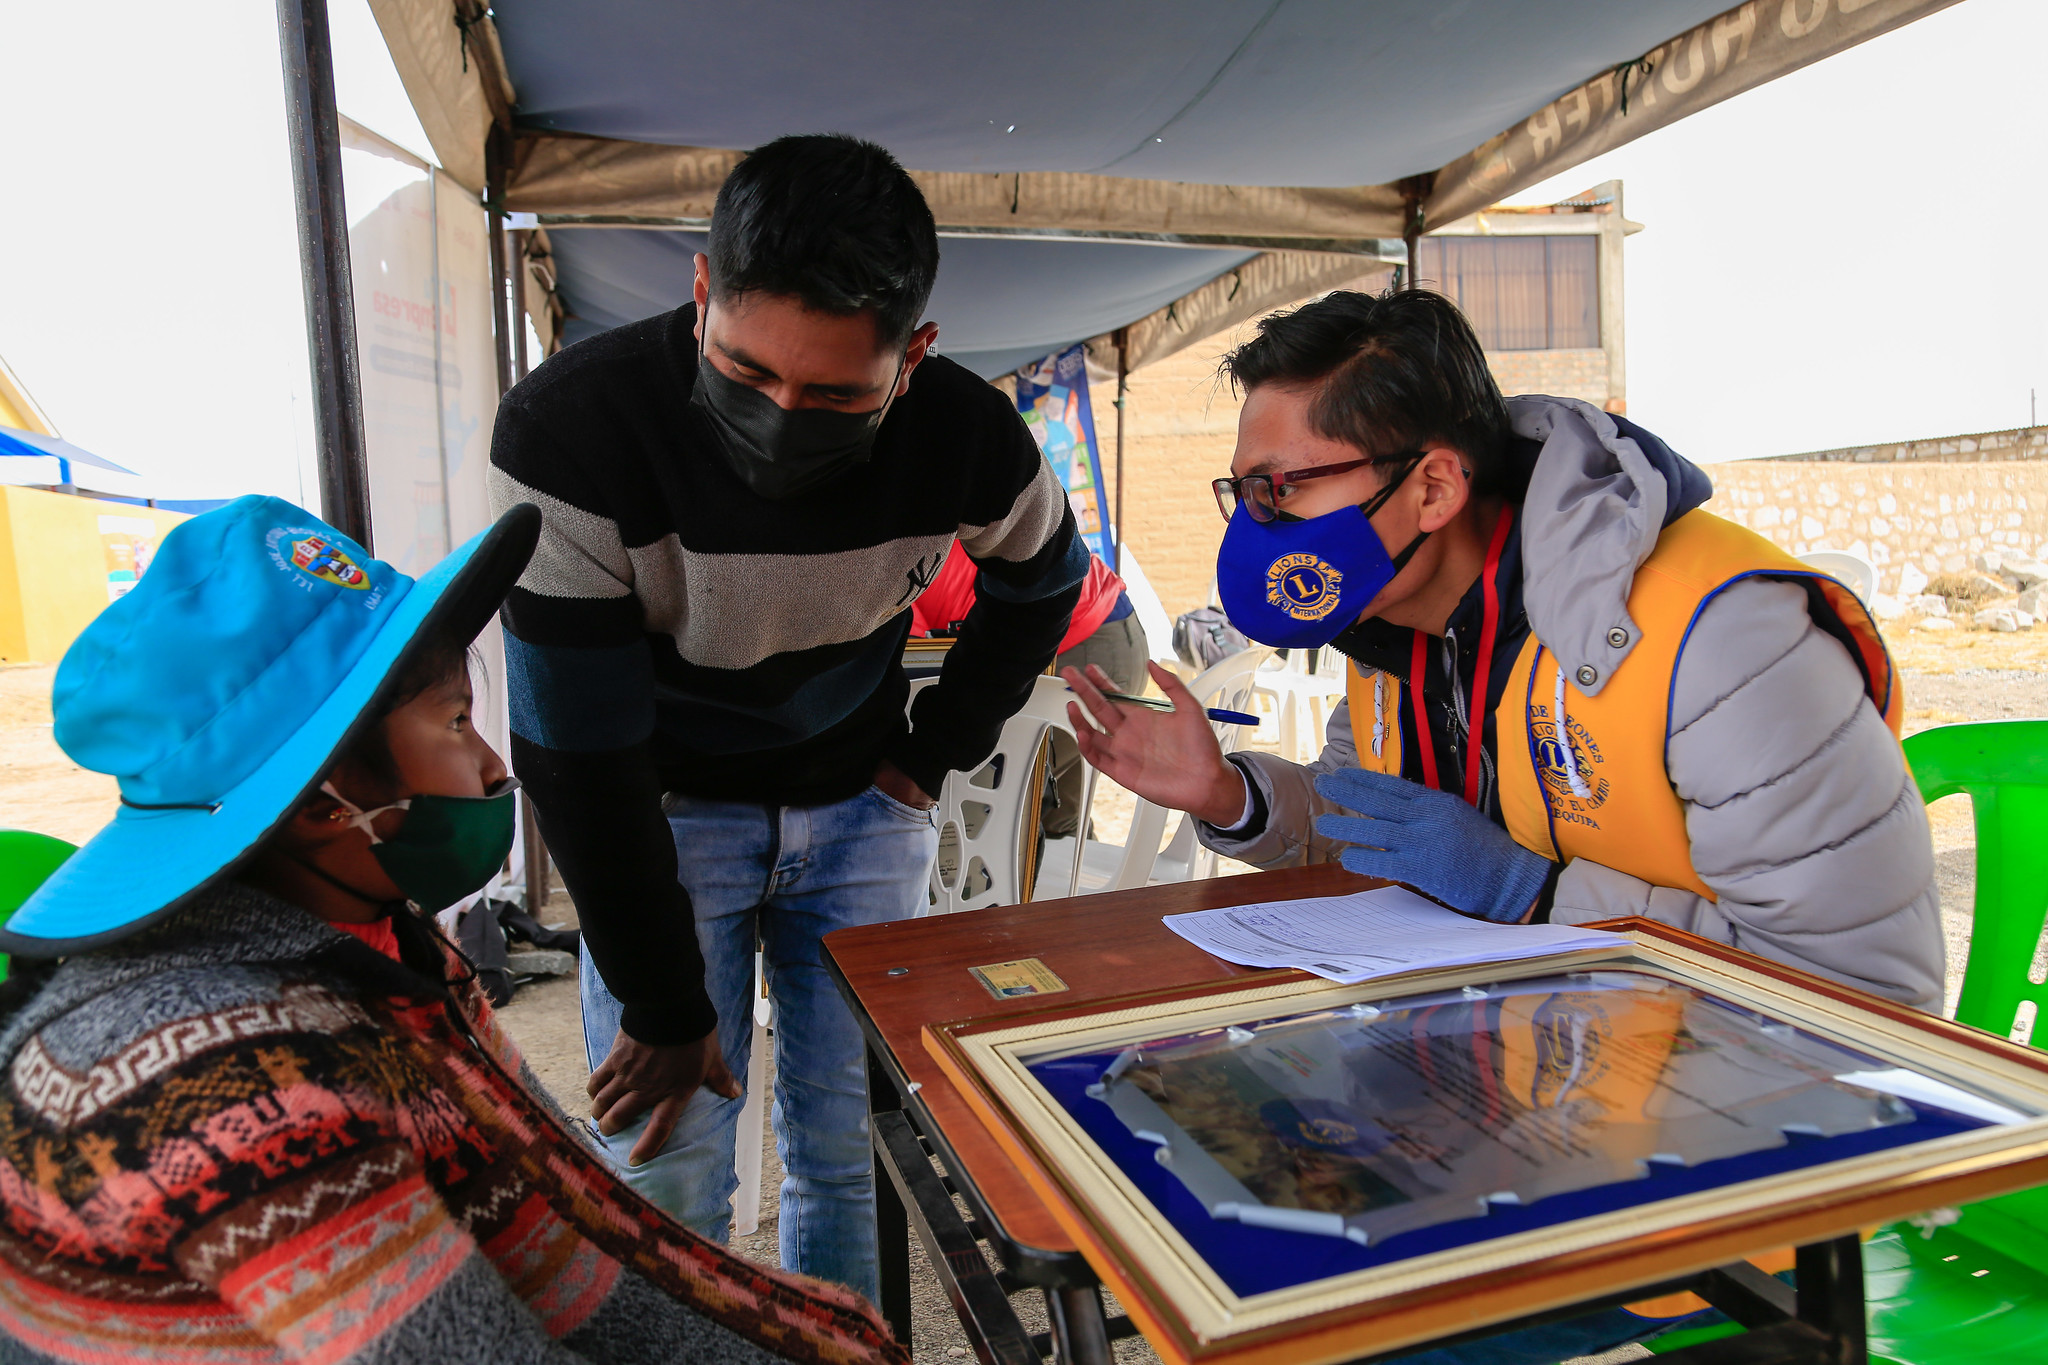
639	1076
1171	758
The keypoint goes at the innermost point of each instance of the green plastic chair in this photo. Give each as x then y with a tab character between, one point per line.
26	861
1975	1292
2003	766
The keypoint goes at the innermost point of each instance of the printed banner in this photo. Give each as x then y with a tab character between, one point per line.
130	543
1053	396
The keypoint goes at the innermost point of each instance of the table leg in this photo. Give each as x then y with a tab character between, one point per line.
892	1220
1829	1280
1080	1336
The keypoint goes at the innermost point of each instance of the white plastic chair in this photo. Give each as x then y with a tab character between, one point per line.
1855	572
1303	689
1139	860
983	816
753	1128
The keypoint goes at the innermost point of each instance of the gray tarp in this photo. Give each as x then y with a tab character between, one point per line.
999	304
1150	117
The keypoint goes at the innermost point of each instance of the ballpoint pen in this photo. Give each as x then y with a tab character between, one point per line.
1161	704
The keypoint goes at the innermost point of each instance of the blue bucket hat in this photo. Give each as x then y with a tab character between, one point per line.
218	691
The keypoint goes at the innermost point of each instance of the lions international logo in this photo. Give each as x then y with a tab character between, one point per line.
1572	802
1304	586
1328	1132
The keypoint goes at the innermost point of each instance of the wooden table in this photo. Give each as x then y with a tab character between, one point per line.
899	977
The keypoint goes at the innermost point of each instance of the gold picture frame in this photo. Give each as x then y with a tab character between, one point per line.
1191	1315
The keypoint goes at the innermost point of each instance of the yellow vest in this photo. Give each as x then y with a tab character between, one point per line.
1621	811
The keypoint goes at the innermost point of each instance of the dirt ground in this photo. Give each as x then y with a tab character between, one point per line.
1950	677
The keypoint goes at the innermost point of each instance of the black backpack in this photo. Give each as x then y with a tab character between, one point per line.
486	932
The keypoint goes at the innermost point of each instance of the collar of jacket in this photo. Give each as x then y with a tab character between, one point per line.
1389	648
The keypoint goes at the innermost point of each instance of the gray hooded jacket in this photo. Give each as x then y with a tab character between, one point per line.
1801	813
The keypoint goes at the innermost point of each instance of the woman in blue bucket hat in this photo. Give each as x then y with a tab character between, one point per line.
255	1106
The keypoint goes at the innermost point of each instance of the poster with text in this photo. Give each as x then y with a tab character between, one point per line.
1053	396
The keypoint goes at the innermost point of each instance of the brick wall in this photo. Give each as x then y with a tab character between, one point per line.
1936	515
1561	374
1180	427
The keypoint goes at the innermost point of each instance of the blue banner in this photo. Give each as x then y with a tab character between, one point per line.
1052	394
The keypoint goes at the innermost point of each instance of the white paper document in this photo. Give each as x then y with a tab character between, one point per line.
1370	933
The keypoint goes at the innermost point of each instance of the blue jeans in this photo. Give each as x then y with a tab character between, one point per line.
785	876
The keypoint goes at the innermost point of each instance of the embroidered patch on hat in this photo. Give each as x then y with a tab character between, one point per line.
316	557
1303	585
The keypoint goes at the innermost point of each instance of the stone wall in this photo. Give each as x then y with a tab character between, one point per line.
1935	515
2019	443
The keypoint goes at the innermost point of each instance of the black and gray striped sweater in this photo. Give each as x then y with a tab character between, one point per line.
677	633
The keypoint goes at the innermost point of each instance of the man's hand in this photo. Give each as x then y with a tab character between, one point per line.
1171	759
638	1076
898	785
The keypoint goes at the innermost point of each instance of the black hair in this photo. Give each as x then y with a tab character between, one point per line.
831	220
433	664
1392	372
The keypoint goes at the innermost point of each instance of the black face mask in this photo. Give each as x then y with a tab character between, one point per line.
778	452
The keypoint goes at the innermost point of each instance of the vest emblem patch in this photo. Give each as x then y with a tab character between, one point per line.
1556	773
1303	585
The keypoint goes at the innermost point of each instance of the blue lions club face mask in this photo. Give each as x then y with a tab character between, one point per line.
1297	584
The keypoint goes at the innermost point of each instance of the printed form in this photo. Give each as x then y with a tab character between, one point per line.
1381	932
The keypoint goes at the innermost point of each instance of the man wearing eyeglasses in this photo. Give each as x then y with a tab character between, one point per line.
1573	694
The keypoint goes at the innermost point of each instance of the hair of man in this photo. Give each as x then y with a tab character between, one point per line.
830	220
1390	372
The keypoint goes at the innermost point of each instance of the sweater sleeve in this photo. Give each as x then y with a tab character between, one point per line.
581	689
305	1198
1282	831
1030	561
361	1261
1802	816
328	1234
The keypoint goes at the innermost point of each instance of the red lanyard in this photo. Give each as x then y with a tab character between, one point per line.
1418	670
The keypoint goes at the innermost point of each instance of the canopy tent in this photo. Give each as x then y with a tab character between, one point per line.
1285	146
1153	171
35	445
1204	136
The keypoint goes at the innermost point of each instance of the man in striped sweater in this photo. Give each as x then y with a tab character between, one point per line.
742	498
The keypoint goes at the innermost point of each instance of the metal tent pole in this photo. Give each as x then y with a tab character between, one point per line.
519	356
1123	374
1415	192
497	156
315	130
534	864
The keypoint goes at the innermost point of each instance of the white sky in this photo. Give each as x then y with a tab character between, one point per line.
1847	255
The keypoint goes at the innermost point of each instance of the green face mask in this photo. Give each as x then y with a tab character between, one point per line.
448	847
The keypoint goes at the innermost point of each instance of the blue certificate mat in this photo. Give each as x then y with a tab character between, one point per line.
1293	1149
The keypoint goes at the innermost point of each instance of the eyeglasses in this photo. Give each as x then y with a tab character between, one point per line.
1260	493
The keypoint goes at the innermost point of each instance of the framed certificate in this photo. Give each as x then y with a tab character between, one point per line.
1303	1172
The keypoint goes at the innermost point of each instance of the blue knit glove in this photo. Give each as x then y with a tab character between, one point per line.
1432	841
